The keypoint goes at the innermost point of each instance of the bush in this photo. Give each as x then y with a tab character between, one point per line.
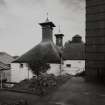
43	84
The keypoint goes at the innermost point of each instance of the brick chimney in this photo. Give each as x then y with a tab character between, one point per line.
47	30
59	40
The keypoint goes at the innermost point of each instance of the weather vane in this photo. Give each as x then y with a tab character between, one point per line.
47	19
59	29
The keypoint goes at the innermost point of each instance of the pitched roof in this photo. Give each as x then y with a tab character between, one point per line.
45	51
6	58
77	36
74	51
4	66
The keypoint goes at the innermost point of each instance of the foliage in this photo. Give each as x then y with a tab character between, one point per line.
43	84
38	68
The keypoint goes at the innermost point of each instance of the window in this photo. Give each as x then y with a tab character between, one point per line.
21	65
68	65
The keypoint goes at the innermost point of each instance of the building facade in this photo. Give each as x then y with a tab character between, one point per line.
20	72
5	74
74	56
95	39
44	52
5	66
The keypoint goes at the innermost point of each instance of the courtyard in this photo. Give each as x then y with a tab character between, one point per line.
76	91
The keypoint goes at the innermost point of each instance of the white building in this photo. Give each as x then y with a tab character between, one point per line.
73	66
5	63
13	72
4	72
46	51
20	71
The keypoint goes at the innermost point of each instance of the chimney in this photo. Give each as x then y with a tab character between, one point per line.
59	40
47	30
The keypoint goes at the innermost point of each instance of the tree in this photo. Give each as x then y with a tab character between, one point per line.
39	67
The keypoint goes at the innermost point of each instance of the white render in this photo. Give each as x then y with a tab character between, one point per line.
54	69
18	74
77	66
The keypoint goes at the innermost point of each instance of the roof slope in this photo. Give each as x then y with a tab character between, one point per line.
74	51
4	66
6	58
45	51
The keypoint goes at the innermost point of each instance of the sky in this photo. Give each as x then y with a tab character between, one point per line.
19	22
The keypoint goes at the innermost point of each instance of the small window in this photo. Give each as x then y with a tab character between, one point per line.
21	65
68	65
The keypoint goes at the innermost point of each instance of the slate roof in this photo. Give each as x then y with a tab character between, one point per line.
45	51
74	51
77	36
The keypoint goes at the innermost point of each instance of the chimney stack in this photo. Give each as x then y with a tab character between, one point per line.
59	40
47	30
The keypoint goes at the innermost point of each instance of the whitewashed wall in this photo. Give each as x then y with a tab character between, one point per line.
77	66
54	69
20	73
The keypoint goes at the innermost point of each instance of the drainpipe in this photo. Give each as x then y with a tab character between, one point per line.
28	71
60	68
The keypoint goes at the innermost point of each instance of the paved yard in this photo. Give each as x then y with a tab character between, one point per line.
74	92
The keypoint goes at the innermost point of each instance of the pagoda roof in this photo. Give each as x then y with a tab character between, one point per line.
45	51
47	23
74	51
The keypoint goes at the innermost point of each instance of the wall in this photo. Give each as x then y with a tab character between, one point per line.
19	73
6	75
54	69
95	39
76	66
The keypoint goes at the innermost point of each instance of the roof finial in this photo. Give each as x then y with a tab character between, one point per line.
47	19
59	29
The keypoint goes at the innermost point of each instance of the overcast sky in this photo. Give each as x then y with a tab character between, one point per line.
19	28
